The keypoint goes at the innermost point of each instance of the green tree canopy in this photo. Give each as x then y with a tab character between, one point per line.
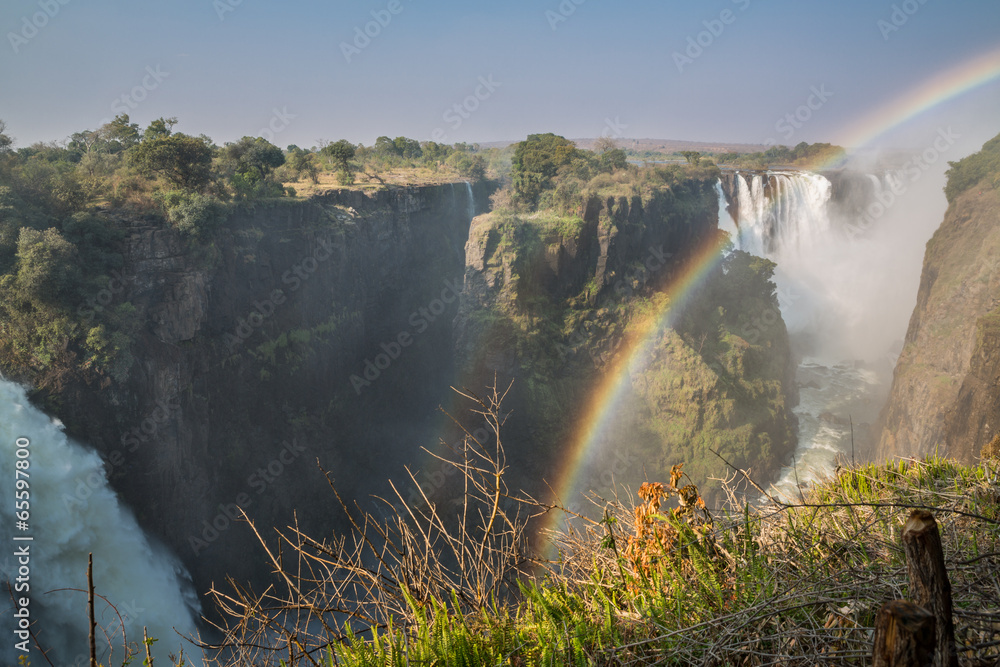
342	152
692	157
250	163
183	160
537	160
6	143
610	157
407	148
302	163
253	155
159	128
120	133
970	171
47	267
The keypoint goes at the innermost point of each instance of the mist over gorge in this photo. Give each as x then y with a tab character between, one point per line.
300	334
252	355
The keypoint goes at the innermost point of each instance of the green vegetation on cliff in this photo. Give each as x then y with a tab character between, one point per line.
576	263
66	210
974	169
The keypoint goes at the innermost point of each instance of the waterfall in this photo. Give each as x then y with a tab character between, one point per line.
726	221
471	205
781	211
828	287
74	512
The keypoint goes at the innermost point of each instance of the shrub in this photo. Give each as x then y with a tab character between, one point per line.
192	213
970	171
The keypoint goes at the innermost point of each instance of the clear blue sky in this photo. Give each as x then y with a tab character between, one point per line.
225	66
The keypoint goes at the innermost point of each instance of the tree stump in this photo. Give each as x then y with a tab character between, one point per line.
929	585
904	635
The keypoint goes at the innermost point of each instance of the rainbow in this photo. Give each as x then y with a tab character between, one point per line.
605	398
638	347
932	92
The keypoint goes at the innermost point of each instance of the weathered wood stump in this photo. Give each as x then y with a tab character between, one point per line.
904	635
929	585
919	633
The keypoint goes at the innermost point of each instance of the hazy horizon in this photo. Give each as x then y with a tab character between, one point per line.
735	71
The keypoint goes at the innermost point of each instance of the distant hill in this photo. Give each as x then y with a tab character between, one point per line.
657	145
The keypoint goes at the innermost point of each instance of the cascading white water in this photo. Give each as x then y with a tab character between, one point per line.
74	512
470	208
792	217
785	216
726	222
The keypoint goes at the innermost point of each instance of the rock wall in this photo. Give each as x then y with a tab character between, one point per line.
946	386
272	348
550	303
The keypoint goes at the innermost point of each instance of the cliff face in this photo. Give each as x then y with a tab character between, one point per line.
946	386
329	331
552	301
306	331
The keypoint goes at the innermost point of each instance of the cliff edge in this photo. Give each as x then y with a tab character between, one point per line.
946	386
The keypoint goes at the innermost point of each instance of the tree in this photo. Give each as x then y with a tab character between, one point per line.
250	163
84	142
407	148
970	171
47	266
6	143
692	157
342	152
610	157
468	166
120	133
385	147
398	147
159	128
536	161
183	160
604	144
302	163
435	152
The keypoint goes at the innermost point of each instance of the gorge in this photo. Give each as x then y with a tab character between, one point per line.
328	331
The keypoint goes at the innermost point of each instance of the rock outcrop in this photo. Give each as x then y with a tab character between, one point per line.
946	386
552	302
272	347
